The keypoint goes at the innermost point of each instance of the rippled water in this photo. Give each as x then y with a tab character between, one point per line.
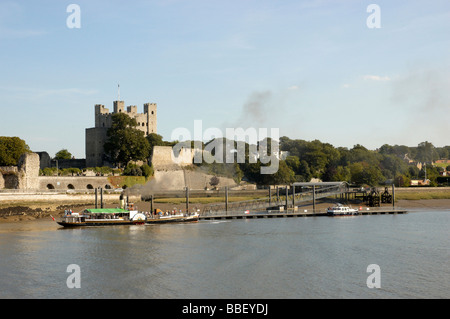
308	257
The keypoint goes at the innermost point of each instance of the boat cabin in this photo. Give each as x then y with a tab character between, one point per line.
97	214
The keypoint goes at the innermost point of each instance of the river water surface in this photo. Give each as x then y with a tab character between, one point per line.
305	257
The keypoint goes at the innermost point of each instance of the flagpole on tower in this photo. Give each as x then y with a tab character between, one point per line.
118	92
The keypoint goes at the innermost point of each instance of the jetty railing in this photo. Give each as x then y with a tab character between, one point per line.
299	193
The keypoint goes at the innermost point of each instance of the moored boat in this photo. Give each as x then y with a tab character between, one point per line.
341	210
161	218
102	217
118	216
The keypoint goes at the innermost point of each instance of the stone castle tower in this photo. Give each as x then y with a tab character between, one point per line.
96	136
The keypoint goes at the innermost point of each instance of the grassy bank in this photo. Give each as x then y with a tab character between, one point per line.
127	181
422	195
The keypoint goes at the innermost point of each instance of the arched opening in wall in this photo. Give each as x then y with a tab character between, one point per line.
50	186
70	186
89	186
108	187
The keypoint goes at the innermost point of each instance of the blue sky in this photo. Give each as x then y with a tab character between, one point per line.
313	69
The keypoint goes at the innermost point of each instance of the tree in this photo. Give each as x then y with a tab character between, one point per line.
154	140
284	175
70	171
214	181
304	171
132	170
426	152
430	172
147	170
364	173
392	166
11	148
63	155
252	171
402	180
300	168
294	163
413	172
126	143
443	152
337	174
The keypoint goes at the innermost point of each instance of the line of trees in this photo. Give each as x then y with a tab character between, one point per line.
313	159
362	166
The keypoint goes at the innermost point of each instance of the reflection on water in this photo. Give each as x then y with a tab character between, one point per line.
28	225
310	257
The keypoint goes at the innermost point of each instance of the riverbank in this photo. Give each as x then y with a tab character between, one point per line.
20	213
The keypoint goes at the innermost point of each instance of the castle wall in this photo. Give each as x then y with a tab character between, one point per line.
44	160
95	139
71	163
163	158
75	182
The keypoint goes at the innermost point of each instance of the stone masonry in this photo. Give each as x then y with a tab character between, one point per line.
24	175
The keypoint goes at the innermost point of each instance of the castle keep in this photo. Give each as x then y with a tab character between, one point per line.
96	136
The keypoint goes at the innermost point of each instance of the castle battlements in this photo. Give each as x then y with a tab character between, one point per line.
96	136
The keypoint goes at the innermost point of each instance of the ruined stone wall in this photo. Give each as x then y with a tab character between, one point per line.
28	167
9	177
23	176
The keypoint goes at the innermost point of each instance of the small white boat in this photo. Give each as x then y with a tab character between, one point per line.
172	218
341	210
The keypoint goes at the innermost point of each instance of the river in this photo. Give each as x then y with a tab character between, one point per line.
284	258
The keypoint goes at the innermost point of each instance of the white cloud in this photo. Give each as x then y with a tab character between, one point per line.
376	78
293	87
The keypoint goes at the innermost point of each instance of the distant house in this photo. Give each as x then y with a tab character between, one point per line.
443	161
420	182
